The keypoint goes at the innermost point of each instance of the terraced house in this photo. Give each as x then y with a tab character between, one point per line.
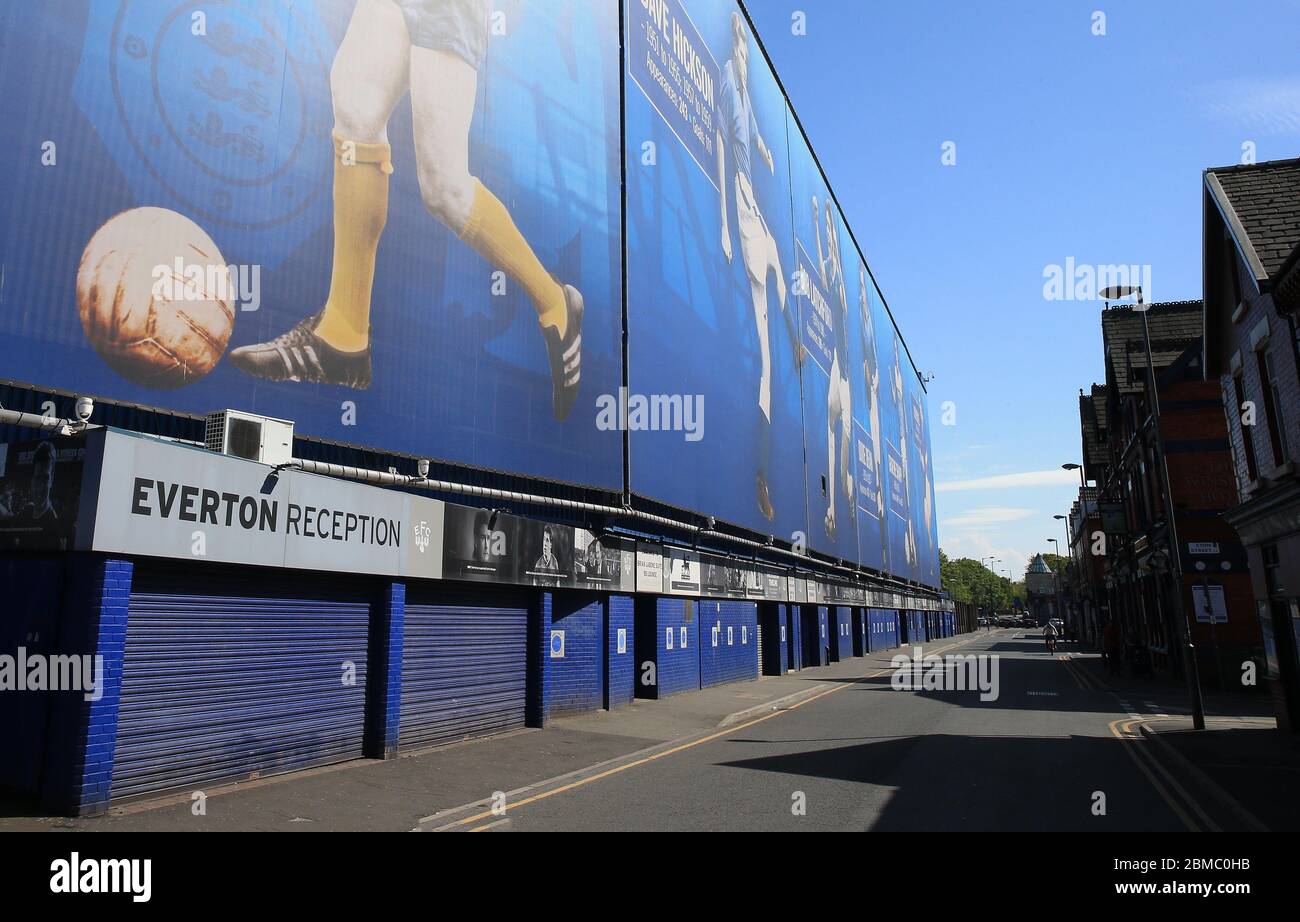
1252	293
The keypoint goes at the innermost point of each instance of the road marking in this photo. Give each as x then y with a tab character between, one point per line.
660	755
1129	743
1133	746
497	825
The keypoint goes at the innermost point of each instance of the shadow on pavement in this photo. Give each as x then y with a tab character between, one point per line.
934	786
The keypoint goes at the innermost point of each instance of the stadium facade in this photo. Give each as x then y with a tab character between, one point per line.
452	368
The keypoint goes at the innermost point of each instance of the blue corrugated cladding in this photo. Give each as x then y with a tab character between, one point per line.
727	641
841	623
228	675
575	680
677	667
620	683
464	659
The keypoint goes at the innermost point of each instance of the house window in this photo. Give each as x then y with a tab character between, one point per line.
1272	405
1247	436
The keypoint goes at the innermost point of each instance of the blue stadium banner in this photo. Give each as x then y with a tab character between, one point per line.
395	223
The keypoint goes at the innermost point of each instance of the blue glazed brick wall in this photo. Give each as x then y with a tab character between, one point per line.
575	682
734	657
384	685
621	682
79	754
677	670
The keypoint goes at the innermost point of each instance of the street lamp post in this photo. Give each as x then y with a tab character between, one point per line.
1069	546
1085	550
1190	668
1056	581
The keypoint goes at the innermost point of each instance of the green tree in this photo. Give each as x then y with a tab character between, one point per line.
968	580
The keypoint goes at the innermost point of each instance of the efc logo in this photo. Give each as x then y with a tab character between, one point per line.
423	535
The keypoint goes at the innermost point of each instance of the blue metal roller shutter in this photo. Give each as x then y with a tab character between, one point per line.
464	663
228	676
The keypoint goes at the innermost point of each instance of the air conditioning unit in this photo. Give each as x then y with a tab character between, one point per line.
249	436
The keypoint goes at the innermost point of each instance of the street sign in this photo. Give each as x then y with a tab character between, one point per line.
1210	604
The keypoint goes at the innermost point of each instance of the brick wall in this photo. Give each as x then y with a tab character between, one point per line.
728	641
574	682
384	672
677	669
79	753
621	679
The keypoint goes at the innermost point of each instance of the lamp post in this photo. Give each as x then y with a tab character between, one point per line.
1190	668
1056	577
1069	546
1085	551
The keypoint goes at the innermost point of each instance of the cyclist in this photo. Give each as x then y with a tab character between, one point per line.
1049	634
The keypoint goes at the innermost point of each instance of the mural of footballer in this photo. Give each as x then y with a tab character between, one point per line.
738	141
838	402
871	371
434	49
897	393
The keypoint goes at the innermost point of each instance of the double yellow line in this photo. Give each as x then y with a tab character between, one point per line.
1166	785
1138	749
1080	676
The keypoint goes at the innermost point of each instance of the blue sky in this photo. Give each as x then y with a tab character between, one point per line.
1068	144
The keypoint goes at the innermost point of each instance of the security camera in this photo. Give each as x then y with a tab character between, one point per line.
712	523
84	407
422	467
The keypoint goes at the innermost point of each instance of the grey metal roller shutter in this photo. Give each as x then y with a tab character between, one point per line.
230	676
463	668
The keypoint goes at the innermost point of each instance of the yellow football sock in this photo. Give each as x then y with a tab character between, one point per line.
491	231
361	174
